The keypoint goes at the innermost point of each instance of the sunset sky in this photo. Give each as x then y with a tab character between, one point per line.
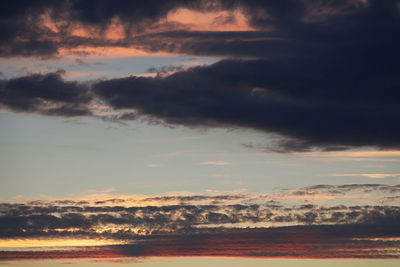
175	133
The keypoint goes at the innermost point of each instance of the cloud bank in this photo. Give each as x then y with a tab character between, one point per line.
310	222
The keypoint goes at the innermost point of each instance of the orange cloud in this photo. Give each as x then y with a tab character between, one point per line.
107	52
210	21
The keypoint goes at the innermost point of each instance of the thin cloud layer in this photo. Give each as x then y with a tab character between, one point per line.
349	241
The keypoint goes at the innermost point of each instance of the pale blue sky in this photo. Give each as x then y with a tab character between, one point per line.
97	67
59	156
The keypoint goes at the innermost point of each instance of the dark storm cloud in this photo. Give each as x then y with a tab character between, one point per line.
46	94
329	82
318	74
19	31
304	100
23	29
287	28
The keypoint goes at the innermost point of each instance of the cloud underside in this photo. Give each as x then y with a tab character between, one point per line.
318	75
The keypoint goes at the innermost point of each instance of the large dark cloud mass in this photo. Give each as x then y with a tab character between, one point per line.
317	104
319	74
24	32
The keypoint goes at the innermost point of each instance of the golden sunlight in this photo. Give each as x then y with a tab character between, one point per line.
55	242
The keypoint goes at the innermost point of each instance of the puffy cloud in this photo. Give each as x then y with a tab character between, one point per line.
268	225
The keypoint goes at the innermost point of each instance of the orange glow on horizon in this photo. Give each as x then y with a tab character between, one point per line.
55	242
260	243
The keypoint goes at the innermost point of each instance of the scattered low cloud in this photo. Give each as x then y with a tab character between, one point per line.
326	216
102	211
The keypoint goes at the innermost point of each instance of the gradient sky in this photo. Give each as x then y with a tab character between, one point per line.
140	129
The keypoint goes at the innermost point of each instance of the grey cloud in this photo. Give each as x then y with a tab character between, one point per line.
25	220
46	94
163	69
343	189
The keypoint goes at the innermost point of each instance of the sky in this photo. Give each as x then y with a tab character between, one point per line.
199	132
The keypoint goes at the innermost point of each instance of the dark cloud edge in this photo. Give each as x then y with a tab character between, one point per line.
228	94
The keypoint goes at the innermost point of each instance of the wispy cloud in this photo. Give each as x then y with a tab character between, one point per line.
216	163
153	165
369	175
221	175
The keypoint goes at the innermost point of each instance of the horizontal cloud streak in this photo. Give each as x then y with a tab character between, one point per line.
348	241
370	175
216	163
